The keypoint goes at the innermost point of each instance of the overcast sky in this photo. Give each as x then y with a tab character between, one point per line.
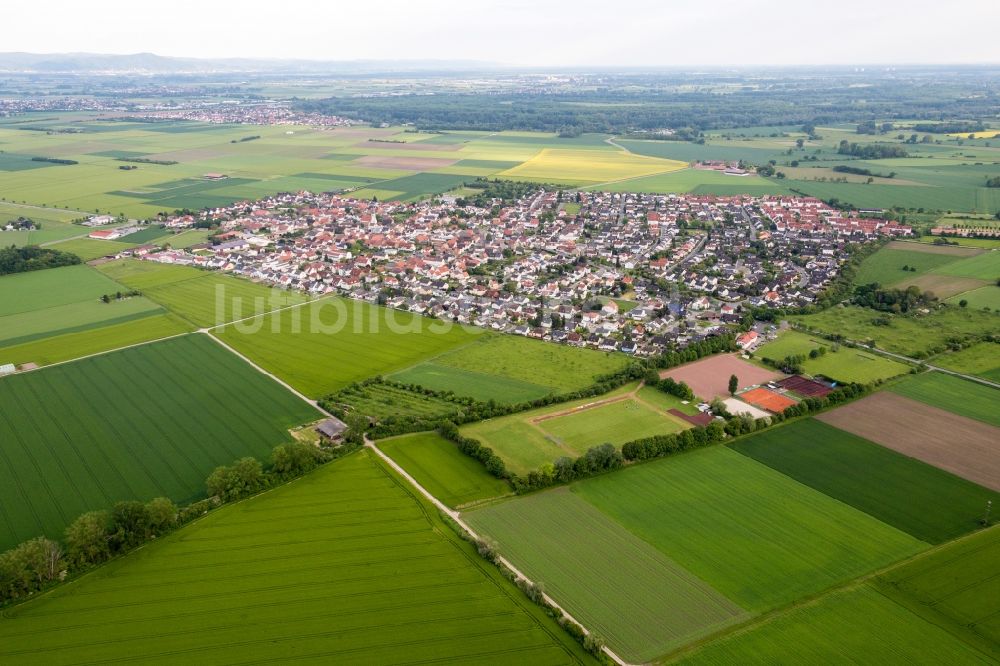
520	32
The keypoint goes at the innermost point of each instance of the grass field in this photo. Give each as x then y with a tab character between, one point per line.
921	500
986	266
754	534
438	465
40	304
69	346
982	297
905	334
55	224
513	368
527	440
843	365
639	600
88	248
144	422
205	298
953	394
325	345
955	587
296	575
886	266
380	401
981	359
859	625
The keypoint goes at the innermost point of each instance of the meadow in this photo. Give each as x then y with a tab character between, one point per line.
89	248
447	473
634	596
886	266
910	335
325	345
205	298
40	304
953	394
987	297
139	423
755	535
294	574
381	401
858	625
56	224
954	587
923	501
981	359
512	368
528	440
842	364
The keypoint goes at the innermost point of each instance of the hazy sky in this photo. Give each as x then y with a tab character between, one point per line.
520	32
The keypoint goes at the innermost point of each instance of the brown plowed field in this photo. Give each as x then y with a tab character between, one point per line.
962	446
944	286
709	377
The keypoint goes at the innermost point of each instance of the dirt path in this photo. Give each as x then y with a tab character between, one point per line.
588	406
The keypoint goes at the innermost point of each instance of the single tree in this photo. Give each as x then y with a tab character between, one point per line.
734	384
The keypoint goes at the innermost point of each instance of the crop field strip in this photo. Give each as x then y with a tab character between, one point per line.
963	446
629	592
447	473
315	361
917	498
953	394
344	563
96	431
754	534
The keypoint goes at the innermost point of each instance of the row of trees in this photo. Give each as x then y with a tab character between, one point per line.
873	296
98	536
871	151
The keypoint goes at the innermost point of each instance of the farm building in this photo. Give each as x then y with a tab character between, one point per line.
332	429
7	369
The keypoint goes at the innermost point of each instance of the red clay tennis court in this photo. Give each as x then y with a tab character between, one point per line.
767	399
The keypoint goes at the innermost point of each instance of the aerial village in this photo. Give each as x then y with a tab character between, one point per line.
635	273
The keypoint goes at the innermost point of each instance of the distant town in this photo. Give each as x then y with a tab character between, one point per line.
613	271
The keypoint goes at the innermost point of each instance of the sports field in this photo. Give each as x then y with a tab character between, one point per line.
859	625
527	440
955	587
325	345
634	596
954	394
754	534
148	421
981	359
513	368
921	500
958	444
839	363
295	575
56	301
438	465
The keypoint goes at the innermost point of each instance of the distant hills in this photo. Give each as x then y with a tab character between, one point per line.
150	63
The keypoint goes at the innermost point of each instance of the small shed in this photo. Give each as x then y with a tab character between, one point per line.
332	429
7	369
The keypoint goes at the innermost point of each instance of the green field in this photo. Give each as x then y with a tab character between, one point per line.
905	334
886	266
954	394
512	368
144	422
842	364
924	501
447	473
55	224
955	587
325	345
205	298
755	535
527	440
383	401
295	574
983	297
89	248
981	359
69	346
856	626
986	266
40	304
639	600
